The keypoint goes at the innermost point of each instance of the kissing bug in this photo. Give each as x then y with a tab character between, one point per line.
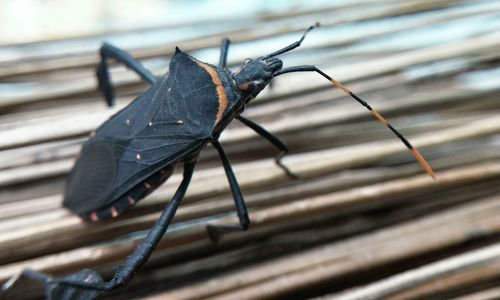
136	150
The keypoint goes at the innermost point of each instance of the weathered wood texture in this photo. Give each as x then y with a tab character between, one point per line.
362	222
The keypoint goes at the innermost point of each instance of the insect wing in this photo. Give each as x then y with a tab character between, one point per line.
172	119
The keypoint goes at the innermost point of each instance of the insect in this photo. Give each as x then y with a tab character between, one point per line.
136	149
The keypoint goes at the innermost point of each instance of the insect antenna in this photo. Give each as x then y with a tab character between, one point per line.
294	44
309	68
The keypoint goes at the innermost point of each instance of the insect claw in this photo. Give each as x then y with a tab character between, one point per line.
213	233
280	164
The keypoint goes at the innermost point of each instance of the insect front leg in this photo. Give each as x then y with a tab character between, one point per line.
224	47
241	208
87	284
109	51
273	139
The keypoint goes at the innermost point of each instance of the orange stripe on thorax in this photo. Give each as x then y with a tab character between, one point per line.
221	94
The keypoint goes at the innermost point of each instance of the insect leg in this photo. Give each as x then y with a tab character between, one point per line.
103	78
77	285
215	231
56	291
224	47
273	139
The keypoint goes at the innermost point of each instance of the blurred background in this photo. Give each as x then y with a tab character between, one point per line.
363	221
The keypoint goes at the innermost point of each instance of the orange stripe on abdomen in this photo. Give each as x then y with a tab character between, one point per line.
221	94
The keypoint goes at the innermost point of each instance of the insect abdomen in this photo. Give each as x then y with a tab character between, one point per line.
131	197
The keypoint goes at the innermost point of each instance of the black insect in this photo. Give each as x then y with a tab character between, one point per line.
136	150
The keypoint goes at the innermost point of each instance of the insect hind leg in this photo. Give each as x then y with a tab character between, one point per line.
104	81
87	284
